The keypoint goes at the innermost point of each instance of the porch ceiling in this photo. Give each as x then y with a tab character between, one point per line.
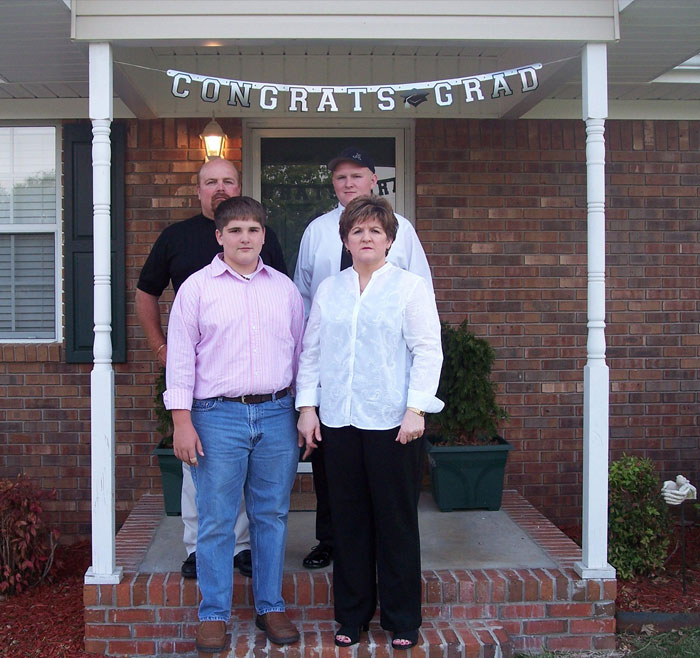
40	67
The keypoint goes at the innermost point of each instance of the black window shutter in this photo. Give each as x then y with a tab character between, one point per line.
78	249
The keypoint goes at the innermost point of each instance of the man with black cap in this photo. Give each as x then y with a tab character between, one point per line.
321	255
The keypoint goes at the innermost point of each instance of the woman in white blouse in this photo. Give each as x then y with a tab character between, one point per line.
371	363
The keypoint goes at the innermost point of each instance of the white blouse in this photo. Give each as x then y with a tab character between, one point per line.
366	357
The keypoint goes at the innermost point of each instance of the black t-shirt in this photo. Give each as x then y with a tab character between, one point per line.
185	247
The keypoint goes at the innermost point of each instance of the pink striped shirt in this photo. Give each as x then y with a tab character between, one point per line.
231	336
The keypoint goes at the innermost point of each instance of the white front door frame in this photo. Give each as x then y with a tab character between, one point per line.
402	130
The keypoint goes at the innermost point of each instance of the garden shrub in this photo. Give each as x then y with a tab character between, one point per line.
26	544
638	520
471	415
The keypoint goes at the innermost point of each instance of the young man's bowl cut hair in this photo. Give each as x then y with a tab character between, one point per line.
239	207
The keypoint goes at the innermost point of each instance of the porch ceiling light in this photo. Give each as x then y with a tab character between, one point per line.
214	138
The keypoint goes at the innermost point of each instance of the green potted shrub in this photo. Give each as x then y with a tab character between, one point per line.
467	457
170	465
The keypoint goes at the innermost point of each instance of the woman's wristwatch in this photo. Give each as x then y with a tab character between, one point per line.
416	411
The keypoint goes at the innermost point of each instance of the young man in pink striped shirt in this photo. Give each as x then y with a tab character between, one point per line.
234	338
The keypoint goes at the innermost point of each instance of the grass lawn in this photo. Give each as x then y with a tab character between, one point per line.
683	643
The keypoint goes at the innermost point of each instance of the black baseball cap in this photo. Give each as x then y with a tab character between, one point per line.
353	154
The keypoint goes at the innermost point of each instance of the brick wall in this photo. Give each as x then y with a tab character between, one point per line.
501	210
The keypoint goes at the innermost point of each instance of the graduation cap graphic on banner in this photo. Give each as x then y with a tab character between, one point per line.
414	97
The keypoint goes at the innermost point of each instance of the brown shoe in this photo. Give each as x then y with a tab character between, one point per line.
211	636
277	627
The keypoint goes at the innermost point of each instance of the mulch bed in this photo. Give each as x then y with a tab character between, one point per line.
662	592
47	621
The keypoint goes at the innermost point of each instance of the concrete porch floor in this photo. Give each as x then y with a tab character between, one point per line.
449	540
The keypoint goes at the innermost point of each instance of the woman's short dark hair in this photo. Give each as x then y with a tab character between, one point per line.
362	208
238	207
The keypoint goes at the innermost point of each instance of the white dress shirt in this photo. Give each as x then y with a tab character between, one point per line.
321	246
366	357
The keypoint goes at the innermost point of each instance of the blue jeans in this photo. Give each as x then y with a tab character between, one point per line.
250	448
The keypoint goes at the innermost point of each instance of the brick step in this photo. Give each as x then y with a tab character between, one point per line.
456	639
526	610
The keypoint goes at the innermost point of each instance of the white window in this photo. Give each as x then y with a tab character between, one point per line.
29	234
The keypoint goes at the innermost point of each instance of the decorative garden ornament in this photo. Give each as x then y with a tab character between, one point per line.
674	493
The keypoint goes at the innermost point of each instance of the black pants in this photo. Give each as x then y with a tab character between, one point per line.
373	490
324	527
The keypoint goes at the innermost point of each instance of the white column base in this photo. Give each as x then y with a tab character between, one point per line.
603	573
114	578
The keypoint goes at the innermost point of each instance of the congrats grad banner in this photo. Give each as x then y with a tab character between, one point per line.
305	98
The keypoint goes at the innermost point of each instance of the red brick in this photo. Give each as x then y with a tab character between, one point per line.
610	589
156	589
129	615
482	586
499	584
95	646
131	648
107	594
138	590
177	615
321	589
544	626
303	589
546	585
525	611
605	642
190	592
590	626
173	590
90	595
156	630
569	609
569	643
107	631
450	586
432	589
94	615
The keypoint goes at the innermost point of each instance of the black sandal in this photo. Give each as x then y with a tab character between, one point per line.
352	633
410	637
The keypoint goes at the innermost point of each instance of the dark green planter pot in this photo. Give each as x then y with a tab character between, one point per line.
171	477
468	477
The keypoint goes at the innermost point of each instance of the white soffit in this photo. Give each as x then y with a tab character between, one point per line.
140	22
686	73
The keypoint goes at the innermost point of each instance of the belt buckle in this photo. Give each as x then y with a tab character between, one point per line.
243	399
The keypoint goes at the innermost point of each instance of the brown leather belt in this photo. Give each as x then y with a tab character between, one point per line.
257	399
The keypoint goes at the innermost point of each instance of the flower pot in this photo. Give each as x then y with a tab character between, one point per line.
468	477
171	477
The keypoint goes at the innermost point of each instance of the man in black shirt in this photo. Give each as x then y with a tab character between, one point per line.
182	249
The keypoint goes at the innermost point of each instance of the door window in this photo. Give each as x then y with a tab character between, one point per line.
295	183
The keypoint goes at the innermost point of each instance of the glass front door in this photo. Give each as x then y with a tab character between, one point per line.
292	181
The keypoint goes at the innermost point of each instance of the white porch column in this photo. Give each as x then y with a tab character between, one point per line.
103	569
595	374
